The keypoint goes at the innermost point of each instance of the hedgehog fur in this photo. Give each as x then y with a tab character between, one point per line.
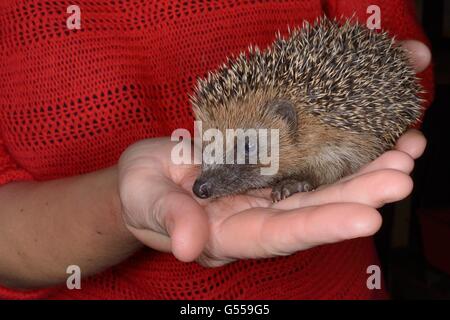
342	79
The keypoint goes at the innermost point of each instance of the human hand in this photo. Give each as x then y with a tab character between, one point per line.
161	211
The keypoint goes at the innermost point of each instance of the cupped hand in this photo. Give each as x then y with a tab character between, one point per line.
161	211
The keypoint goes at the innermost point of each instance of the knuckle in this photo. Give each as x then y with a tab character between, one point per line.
399	160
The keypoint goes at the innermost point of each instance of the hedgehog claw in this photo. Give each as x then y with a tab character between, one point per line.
288	187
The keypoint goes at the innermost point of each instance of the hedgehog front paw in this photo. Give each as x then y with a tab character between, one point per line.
288	187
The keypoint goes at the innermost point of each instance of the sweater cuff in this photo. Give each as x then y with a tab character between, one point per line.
35	294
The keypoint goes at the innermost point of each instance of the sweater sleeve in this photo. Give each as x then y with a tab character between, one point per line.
398	18
9	170
11	294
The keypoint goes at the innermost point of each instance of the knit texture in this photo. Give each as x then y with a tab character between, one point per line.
71	101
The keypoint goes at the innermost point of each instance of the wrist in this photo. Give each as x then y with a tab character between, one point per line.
114	207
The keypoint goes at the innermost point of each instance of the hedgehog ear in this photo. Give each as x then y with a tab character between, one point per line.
286	111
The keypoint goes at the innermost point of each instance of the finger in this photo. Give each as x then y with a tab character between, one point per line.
177	224
410	146
393	159
419	54
154	240
313	226
413	142
260	234
186	223
372	189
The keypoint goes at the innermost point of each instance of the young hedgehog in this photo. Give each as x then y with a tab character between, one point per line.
339	94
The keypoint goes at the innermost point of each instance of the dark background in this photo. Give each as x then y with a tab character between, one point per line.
414	242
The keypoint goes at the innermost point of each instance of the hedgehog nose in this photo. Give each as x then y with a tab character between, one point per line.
202	189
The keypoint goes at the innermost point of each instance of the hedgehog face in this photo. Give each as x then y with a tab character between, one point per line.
253	134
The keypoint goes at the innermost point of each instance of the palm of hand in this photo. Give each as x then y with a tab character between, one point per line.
161	211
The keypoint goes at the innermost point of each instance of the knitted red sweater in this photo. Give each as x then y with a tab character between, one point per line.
71	101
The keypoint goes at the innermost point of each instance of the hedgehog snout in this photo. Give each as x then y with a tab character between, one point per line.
223	180
215	182
202	188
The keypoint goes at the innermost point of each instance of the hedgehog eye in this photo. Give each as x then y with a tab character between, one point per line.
250	147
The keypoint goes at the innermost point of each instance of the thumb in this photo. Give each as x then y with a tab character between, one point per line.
187	225
419	54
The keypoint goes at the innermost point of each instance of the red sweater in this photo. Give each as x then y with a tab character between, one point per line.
72	101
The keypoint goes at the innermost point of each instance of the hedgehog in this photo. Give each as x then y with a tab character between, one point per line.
339	94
